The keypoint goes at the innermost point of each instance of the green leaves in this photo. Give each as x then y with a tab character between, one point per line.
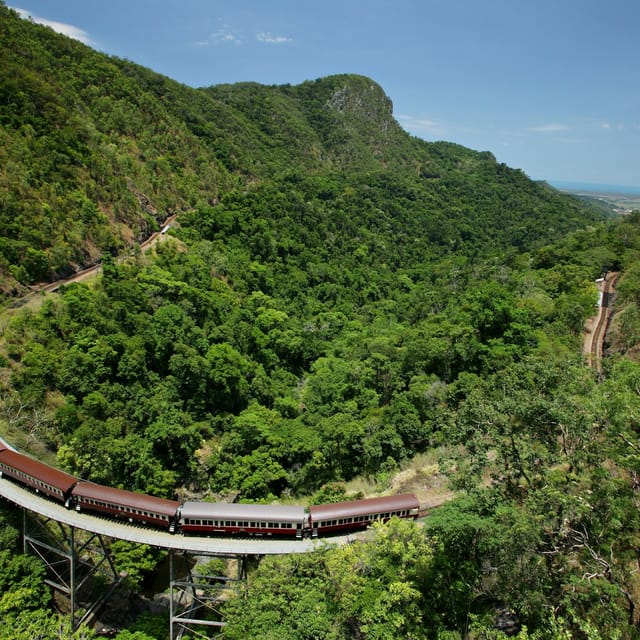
364	590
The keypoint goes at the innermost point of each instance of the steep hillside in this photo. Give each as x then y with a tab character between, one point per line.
96	151
93	155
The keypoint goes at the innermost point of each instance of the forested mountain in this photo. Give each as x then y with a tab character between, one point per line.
338	303
96	152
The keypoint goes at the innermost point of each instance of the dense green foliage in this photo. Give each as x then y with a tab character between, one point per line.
336	298
287	389
96	151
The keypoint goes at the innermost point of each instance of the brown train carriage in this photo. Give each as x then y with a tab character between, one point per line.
135	507
251	519
359	514
37	475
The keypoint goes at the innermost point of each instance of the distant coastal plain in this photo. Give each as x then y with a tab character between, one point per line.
593	188
621	199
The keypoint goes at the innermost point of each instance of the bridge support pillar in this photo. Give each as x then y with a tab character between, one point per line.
196	592
71	561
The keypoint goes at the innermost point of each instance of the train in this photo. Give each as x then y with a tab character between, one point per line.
203	518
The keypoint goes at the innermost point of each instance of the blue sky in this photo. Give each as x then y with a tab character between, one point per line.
551	87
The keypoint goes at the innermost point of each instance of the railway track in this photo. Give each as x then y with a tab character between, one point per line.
123	530
88	272
596	334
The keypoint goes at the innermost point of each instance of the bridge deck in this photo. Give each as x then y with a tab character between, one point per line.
143	535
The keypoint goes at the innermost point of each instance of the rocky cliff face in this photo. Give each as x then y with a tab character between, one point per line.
363	100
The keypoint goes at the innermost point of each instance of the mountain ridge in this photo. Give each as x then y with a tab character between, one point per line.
97	151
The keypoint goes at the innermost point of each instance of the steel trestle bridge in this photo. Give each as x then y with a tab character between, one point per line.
64	539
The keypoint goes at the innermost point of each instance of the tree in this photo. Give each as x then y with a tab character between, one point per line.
377	585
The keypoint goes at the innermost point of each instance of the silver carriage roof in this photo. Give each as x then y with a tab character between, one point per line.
368	506
245	512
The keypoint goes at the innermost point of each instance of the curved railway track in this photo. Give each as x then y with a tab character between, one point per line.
595	336
145	245
146	535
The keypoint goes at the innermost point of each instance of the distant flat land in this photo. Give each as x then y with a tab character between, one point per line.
621	199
